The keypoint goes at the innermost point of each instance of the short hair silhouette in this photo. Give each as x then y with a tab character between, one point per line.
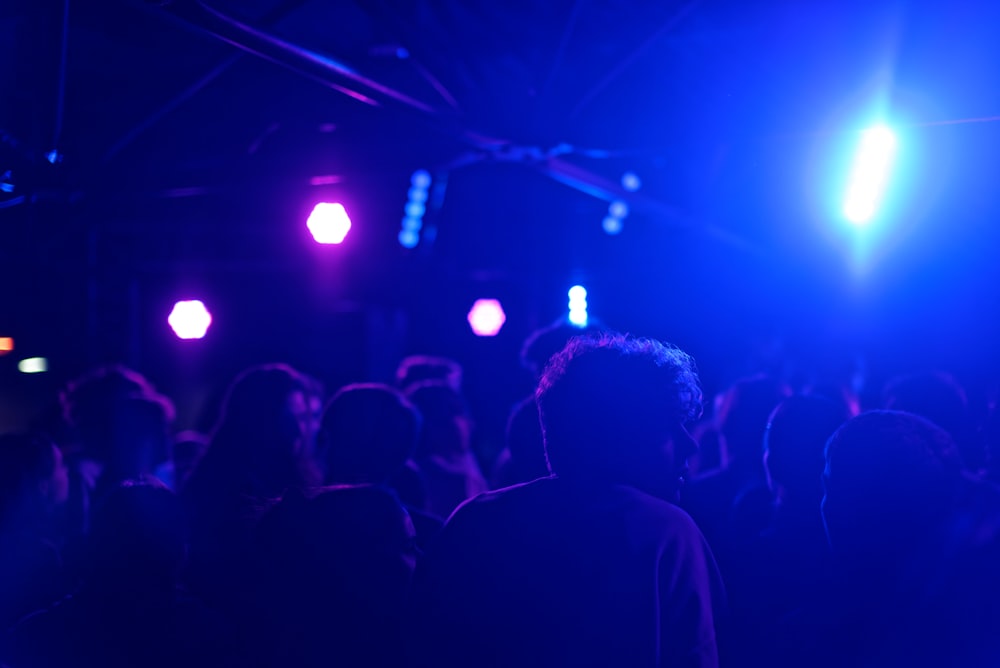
605	397
370	431
419	368
938	397
543	343
442	408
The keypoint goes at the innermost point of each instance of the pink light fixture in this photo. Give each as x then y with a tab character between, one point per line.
486	317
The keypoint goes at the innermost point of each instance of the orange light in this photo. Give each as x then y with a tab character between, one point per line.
6	345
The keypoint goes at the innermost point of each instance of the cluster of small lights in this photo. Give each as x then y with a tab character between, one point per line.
486	317
329	223
578	305
416	206
614	221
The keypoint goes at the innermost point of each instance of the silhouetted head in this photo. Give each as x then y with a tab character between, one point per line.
369	432
525	442
92	406
890	480
260	442
543	343
447	426
189	448
794	445
613	407
742	415
421	368
33	480
137	540
939	398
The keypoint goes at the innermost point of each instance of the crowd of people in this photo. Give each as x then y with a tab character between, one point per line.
622	525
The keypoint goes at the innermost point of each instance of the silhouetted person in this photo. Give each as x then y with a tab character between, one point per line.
417	369
523	460
787	565
257	451
593	566
369	433
118	424
732	504
335	570
915	544
128	610
941	399
444	454
33	485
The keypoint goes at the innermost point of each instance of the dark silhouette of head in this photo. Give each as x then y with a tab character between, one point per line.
33	481
941	399
525	442
543	343
259	444
93	404
139	438
742	415
189	448
890	481
447	426
137	540
369	432
613	407
420	368
794	444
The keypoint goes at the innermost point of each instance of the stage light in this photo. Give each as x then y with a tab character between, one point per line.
415	209
578	305
412	224
189	319
631	182
417	194
33	365
329	223
6	345
612	225
408	238
421	179
486	317
618	209
869	174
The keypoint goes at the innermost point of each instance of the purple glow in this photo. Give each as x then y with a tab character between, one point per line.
329	223
325	180
486	317
189	319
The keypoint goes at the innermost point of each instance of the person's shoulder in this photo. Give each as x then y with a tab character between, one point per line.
658	511
505	498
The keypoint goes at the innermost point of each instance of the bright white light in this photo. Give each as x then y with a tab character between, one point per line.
612	225
190	319
486	317
329	223
421	179
578	292
869	174
33	365
408	238
578	317
618	209
631	182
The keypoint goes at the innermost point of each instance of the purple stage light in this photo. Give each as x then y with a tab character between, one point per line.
486	317
329	223
189	319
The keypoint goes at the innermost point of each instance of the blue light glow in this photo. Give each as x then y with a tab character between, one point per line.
421	179
412	224
618	209
612	225
578	292
578	305
415	209
408	238
631	182
417	194
869	174
578	317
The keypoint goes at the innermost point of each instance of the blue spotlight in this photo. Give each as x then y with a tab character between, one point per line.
618	209
869	174
631	182
408	238
412	224
578	306
417	194
415	209
421	179
612	225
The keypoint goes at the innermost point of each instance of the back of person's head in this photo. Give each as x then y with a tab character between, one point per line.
610	403
32	479
421	368
890	479
139	438
742	416
137	539
259	442
369	432
92	403
794	443
446	426
189	448
525	442
543	343
938	397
